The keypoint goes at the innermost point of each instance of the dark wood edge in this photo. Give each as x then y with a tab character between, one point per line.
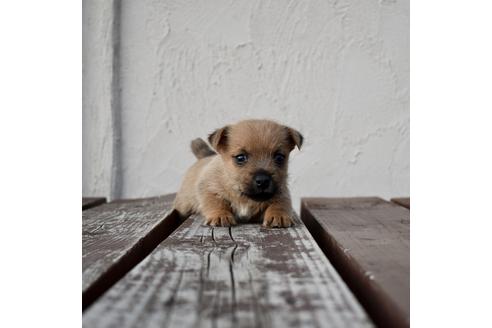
382	310
405	202
90	202
133	257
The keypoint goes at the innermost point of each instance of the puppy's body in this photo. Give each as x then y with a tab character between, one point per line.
245	179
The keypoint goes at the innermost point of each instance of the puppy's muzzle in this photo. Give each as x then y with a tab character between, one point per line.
262	186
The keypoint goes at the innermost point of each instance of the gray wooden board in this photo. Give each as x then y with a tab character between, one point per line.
117	235
88	202
244	276
368	242
405	202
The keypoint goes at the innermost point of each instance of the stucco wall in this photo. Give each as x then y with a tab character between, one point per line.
336	70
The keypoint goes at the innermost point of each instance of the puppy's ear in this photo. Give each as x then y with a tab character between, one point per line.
295	138
218	139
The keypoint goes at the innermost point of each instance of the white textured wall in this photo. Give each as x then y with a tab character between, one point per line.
336	70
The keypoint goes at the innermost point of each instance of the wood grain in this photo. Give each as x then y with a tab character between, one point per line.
368	242
117	236
405	202
244	276
89	202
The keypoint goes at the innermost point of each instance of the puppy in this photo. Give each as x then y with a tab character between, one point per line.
245	178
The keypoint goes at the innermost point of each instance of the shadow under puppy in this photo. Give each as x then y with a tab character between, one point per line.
245	179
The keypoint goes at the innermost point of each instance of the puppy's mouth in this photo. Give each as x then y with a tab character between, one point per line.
260	196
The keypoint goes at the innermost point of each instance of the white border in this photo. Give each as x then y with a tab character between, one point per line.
451	163
40	139
40	135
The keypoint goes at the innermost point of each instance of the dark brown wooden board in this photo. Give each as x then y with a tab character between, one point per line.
117	236
405	202
243	276
89	202
368	242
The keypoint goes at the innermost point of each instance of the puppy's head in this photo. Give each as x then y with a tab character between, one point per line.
255	154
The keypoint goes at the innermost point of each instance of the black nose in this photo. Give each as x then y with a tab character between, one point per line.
263	181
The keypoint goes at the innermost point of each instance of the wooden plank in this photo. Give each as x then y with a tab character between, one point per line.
243	276
89	202
117	236
368	242
405	202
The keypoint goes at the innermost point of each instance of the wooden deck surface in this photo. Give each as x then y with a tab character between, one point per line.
118	235
244	276
368	241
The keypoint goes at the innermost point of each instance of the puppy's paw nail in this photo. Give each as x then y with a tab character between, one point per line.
224	220
287	222
277	221
267	221
227	221
209	221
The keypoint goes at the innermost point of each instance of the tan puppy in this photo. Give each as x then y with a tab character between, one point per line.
247	177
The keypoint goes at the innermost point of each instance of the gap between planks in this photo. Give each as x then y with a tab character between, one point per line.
89	202
404	201
117	236
368	242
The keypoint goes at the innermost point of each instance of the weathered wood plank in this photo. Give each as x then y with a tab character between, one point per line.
117	236
405	202
244	276
88	202
368	242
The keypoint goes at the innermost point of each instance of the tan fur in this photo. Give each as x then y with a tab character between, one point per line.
214	186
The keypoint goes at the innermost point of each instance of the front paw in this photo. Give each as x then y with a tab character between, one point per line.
277	219
224	219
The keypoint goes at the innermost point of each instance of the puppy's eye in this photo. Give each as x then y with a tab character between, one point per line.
279	159
241	159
